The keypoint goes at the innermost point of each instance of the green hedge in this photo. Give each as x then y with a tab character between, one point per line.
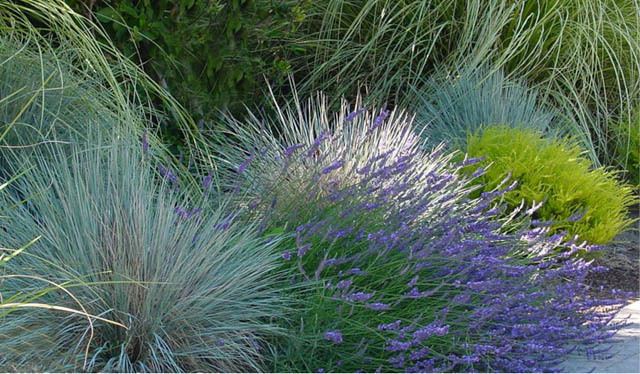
210	54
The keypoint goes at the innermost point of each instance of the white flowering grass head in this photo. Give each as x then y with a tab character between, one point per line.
290	163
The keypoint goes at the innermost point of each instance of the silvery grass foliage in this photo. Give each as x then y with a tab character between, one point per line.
450	107
46	100
401	270
195	292
17	301
279	139
62	75
32	299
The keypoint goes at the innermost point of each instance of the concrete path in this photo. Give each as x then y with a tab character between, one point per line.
625	349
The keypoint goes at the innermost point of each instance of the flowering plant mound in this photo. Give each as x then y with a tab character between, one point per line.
399	269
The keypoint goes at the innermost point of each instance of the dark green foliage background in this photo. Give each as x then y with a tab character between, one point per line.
210	54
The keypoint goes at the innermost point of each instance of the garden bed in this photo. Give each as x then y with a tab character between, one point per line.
456	200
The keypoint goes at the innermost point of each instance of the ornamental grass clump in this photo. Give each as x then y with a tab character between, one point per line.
45	99
575	197
627	140
398	267
189	290
60	76
449	107
303	145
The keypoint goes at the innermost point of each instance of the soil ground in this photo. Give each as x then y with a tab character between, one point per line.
622	258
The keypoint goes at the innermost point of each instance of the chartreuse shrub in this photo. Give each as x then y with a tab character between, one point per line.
575	197
397	266
195	291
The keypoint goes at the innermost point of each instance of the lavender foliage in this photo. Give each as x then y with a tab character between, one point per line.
421	274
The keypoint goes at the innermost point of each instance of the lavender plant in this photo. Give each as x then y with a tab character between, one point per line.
189	290
399	268
306	147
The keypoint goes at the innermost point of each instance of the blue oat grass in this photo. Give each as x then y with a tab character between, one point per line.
195	290
399	267
450	107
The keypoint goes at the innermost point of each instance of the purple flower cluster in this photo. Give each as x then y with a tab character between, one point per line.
184	213
422	273
334	166
334	337
353	115
168	174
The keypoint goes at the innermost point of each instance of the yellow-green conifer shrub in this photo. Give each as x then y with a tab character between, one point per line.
584	201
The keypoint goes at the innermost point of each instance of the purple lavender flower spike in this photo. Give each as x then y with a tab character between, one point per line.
393	326
358	297
290	150
207	181
225	223
145	142
344	284
351	116
167	174
419	354
472	161
181	212
577	216
303	249
480	171
397	362
245	164
334	336
334	166
286	255
355	271
185	213
377	306
413	281
381	117
330	261
397	346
